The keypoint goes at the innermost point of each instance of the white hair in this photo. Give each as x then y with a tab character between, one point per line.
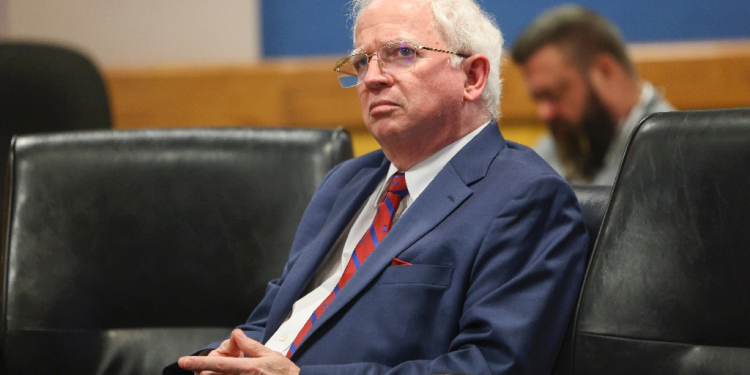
465	28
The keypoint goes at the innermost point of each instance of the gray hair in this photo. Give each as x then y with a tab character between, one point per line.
465	28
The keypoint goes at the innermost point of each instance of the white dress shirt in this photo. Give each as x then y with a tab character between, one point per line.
332	267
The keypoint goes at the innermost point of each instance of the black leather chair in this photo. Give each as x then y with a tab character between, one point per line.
593	200
45	88
125	250
668	287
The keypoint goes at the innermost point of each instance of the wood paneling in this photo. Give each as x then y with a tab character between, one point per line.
304	92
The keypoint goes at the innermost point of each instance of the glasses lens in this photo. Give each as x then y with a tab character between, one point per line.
359	64
351	70
393	58
348	81
398	57
344	66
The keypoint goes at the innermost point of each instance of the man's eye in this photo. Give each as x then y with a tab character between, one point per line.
359	63
405	52
555	96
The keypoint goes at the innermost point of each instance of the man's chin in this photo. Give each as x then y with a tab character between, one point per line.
384	129
561	135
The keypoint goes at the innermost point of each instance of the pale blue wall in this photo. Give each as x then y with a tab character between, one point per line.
313	27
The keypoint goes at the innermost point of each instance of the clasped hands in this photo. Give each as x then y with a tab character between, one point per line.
229	358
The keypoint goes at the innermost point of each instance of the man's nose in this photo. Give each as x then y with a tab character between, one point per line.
375	75
546	111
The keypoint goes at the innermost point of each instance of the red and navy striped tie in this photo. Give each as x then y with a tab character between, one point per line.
378	229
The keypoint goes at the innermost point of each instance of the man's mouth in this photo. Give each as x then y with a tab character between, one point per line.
381	106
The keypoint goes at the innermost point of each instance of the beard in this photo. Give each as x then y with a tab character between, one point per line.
582	147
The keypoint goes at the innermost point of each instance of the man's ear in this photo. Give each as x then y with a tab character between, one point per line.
604	69
477	70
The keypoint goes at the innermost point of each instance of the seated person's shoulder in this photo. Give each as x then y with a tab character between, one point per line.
522	163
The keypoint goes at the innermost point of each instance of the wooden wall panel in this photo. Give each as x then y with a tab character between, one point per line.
304	92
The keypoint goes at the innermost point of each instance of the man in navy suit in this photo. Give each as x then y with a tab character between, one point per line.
475	247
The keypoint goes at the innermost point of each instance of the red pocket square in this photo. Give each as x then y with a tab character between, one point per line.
399	262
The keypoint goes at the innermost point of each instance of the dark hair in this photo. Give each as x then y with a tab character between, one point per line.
581	33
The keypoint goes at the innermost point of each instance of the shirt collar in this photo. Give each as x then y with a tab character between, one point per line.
419	176
638	112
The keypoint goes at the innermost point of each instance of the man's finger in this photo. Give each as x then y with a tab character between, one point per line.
228	348
217	364
249	346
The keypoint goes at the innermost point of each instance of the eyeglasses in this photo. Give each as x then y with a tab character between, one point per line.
393	58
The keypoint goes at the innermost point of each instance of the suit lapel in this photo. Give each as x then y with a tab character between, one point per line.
443	195
348	202
421	217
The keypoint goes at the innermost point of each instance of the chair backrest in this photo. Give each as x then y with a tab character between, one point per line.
125	250
46	88
593	200
668	287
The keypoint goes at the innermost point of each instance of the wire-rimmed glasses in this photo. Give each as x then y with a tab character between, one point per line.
393	58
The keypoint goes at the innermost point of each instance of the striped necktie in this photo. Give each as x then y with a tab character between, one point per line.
380	226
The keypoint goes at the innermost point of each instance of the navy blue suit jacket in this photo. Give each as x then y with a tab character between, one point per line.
496	244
